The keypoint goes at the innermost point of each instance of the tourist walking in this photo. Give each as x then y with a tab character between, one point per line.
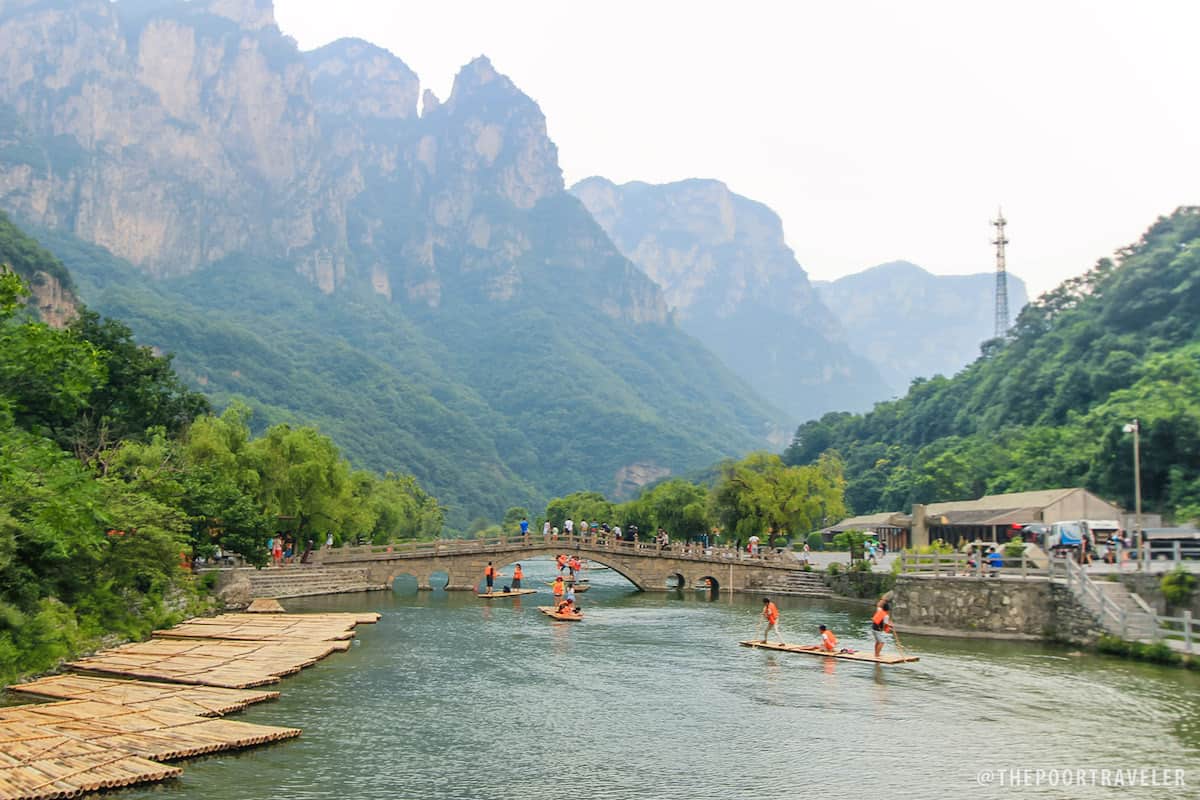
524	527
771	615
546	529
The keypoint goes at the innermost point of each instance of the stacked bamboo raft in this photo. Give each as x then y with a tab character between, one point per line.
102	731
215	662
203	701
37	763
261	627
160	735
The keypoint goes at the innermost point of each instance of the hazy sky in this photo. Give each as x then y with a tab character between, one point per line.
877	130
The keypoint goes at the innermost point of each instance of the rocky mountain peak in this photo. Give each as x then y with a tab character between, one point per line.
251	15
352	76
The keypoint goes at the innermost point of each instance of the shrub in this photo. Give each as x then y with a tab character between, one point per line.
816	541
834	569
1177	586
1015	548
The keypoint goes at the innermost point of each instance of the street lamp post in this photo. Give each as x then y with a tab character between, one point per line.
1135	428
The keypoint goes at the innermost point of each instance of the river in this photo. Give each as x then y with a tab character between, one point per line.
450	696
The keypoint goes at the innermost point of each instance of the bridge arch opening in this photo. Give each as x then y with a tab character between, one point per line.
676	581
439	579
405	583
710	586
539	568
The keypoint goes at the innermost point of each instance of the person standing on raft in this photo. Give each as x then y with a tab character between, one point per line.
517	575
559	588
771	615
881	625
489	576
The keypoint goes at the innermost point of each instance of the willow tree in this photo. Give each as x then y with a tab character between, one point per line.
760	494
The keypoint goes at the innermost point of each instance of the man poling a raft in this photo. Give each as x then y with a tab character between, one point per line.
881	625
771	615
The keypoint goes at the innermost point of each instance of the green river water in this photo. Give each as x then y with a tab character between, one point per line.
449	696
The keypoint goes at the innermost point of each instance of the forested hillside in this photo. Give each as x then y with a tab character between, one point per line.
113	476
1045	407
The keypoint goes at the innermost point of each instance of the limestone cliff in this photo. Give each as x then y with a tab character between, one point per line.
474	325
52	291
176	134
734	284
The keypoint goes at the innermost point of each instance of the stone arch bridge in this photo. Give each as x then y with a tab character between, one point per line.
647	566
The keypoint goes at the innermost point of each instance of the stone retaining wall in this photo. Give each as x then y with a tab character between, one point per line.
1007	609
861	585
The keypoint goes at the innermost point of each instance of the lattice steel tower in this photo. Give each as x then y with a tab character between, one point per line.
1001	277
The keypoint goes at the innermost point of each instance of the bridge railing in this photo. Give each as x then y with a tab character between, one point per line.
576	542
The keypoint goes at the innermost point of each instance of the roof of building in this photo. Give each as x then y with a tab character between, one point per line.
1038	500
890	519
985	516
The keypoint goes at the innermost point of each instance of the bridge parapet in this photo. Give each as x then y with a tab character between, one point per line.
647	565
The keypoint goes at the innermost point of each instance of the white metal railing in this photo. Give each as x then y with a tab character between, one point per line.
960	564
1185	627
1090	594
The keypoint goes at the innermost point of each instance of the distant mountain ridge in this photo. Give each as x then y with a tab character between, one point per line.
419	284
913	324
733	283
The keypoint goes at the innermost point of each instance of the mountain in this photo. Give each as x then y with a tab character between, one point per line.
735	285
911	323
1047	405
51	286
420	285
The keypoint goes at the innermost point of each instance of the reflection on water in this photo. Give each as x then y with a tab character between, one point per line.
450	696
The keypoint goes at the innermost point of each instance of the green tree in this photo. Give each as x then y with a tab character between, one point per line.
761	495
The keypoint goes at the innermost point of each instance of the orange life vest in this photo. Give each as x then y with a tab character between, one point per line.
489	571
772	613
558	588
517	574
877	621
828	640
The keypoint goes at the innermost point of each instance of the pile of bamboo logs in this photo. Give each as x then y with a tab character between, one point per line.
102	731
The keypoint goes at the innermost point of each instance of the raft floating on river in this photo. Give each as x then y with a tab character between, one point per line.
813	650
550	612
509	593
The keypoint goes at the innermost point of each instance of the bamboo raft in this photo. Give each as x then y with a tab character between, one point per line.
509	593
102	731
159	735
216	662
36	763
203	701
813	650
262	627
550	612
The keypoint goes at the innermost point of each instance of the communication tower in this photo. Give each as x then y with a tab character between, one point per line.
1001	276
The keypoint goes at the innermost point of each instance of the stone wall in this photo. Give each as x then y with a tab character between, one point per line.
861	585
1003	609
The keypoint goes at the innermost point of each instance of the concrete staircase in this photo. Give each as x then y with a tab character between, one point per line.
1139	626
303	580
798	584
